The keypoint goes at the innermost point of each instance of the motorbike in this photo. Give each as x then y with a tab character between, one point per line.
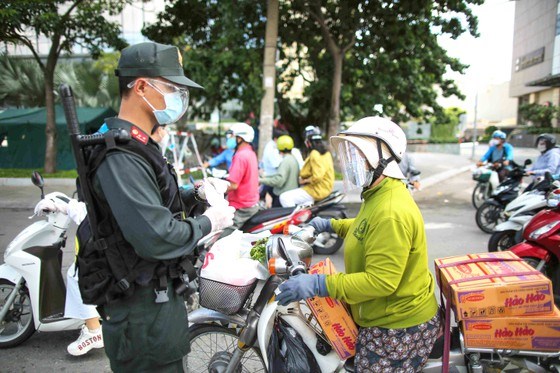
276	218
32	289
541	248
519	212
233	333
487	181
490	213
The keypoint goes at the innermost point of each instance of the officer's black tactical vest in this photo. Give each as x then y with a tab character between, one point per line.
109	268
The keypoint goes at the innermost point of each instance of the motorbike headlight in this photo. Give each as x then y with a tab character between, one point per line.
543	230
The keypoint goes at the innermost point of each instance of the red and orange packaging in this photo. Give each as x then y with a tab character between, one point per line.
333	316
540	333
493	285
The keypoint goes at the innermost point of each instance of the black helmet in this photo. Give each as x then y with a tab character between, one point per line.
549	139
312	133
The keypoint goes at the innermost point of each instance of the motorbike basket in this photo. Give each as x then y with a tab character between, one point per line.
481	177
222	297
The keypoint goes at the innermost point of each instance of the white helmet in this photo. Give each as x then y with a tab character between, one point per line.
361	140
243	130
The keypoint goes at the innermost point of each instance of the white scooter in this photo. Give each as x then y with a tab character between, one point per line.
32	289
519	212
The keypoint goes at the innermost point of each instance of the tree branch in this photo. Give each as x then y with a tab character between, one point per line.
24	40
350	43
318	16
72	7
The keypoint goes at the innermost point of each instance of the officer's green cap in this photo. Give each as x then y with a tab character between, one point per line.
154	60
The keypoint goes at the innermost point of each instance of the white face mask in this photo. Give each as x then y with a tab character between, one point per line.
494	142
541	148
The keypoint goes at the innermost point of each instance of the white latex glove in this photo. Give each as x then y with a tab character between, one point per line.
212	190
77	211
51	203
220	217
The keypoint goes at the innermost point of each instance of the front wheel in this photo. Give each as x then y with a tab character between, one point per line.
18	324
481	193
488	216
503	240
211	348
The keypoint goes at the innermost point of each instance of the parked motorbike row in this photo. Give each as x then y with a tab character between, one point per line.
528	224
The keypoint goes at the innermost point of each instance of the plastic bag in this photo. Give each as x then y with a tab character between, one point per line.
287	352
229	260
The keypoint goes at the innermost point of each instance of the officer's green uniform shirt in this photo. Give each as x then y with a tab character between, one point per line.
387	282
129	185
286	177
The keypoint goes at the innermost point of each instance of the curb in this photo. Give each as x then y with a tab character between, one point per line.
15	182
354	197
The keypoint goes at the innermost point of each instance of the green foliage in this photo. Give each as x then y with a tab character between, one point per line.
22	83
390	55
539	115
488	131
539	130
26	173
222	44
445	124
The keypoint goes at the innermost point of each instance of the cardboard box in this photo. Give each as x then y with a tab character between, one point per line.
334	317
541	333
493	285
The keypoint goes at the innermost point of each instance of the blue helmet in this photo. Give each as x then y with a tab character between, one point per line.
499	134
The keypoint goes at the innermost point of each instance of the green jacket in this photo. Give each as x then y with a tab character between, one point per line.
387	282
286	177
319	168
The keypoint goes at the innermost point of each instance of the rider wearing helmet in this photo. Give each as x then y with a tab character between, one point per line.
316	175
286	177
549	160
243	191
500	154
387	281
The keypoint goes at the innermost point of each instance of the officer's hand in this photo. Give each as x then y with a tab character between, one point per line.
321	225
220	217
52	203
302	287
218	185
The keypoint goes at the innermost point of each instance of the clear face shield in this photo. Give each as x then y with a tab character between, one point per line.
355	168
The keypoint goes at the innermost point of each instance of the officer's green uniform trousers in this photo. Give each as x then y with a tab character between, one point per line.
136	332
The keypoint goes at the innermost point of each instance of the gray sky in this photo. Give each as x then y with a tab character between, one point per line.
489	56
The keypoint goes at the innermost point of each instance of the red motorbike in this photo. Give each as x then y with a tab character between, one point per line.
541	247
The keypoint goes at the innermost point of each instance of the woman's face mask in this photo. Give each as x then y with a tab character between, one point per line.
176	102
541	146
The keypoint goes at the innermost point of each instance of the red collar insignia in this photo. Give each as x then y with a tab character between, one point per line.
138	135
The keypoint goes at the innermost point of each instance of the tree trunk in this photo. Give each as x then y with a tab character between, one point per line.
50	130
334	113
269	76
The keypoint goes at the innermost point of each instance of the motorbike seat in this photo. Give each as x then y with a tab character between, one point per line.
330	197
266	215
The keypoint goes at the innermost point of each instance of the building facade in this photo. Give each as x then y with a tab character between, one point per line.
535	75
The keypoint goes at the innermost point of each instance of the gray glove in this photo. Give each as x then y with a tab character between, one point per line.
302	287
321	225
220	217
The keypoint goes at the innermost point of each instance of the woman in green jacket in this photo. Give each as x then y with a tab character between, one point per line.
387	283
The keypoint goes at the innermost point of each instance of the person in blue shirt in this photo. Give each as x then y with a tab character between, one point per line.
224	157
549	160
500	154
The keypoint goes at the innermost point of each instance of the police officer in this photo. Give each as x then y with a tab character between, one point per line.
138	199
